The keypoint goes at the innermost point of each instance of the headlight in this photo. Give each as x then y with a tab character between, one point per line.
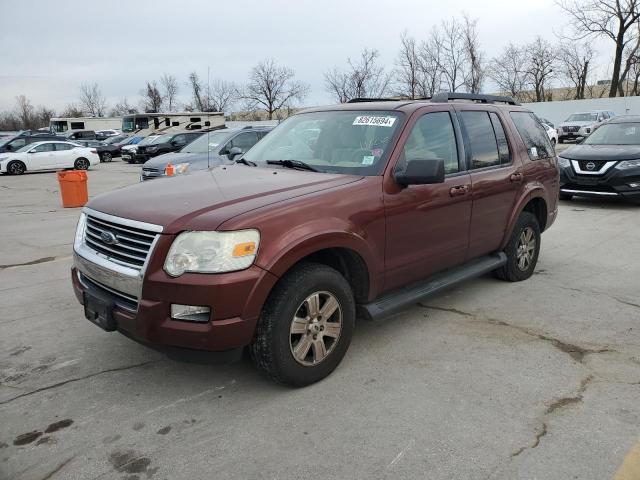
176	169
212	252
628	164
77	243
564	162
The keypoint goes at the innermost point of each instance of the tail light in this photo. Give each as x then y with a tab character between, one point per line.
168	170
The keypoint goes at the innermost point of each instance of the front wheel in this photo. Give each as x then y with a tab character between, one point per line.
106	157
306	325
16	167
522	250
81	164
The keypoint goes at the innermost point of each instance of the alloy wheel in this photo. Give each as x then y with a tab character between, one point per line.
526	248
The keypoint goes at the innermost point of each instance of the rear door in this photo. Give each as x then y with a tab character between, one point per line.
496	177
427	226
64	155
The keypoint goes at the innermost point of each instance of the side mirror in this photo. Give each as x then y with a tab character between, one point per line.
234	152
421	172
32	151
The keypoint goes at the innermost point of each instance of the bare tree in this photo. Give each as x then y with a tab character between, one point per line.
475	74
151	98
42	116
574	61
408	71
429	64
199	100
611	19
508	71
539	68
24	111
631	54
453	58
222	95
72	111
273	87
364	78
170	90
92	100
122	108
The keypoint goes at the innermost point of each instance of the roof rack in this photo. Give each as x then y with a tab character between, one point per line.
364	100
476	97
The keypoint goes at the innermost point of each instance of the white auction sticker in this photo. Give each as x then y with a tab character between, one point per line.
376	121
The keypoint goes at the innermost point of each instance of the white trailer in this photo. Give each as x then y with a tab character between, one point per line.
145	124
63	125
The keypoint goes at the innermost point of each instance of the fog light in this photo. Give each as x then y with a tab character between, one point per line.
190	313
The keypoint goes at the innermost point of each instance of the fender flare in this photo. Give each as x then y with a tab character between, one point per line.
532	191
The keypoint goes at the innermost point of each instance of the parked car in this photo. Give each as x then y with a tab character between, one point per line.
128	152
551	132
212	148
14	143
90	143
580	125
114	145
168	142
48	155
277	251
606	164
81	135
104	134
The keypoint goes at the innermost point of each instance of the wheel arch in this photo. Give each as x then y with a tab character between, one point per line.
535	203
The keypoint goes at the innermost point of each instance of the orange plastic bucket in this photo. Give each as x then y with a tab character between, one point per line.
73	188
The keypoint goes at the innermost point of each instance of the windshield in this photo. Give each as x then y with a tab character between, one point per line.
59	126
350	142
582	117
4	141
206	143
615	134
149	140
116	139
164	139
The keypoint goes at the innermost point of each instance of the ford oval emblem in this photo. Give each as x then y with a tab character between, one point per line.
109	238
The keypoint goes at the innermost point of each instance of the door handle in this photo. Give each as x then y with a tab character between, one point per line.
516	177
459	190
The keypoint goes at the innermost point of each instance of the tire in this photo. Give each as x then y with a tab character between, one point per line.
106	157
516	269
279	347
565	196
81	164
560	140
16	167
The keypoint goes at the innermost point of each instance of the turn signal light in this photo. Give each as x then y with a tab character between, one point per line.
244	249
168	170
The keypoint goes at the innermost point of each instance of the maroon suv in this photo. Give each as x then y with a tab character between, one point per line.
363	207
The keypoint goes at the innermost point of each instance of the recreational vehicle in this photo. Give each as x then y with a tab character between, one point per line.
148	123
63	126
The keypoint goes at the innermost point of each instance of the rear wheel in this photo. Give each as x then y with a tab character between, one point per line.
560	140
16	167
106	157
81	164
522	249
306	325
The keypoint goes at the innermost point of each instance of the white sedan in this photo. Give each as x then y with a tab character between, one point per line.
51	155
552	133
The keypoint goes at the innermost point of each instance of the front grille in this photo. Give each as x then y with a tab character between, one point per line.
149	173
571	129
596	167
131	246
121	299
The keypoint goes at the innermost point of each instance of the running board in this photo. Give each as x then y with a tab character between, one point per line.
397	300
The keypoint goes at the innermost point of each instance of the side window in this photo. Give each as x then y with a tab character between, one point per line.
533	135
44	147
243	141
482	139
180	139
63	146
433	138
77	125
503	144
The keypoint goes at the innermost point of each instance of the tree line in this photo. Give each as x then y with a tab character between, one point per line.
449	58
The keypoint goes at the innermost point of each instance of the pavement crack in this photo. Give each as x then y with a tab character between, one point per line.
567	401
443	309
57	469
536	441
33	262
78	379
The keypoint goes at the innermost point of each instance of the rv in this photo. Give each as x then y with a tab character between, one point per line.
63	126
152	123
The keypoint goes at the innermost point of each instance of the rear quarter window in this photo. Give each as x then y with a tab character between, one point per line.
533	135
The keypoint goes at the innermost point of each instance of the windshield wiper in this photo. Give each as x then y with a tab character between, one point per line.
293	164
244	161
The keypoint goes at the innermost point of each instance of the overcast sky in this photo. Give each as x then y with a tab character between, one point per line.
47	49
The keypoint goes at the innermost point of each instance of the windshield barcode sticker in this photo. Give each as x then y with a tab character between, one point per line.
376	121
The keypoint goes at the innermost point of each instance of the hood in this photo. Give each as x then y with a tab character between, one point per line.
577	124
602	152
197	160
206	199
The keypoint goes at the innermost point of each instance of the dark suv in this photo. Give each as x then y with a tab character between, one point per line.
168	142
211	149
16	142
362	207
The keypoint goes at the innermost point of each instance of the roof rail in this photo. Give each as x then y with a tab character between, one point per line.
364	100
476	97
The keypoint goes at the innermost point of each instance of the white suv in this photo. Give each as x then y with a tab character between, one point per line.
582	124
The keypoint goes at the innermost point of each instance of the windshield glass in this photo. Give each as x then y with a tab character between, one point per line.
164	139
582	117
59	126
350	142
116	139
206	143
615	134
5	140
148	140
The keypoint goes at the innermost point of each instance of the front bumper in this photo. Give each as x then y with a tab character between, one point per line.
613	183
143	312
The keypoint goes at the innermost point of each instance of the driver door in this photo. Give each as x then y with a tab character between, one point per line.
427	226
41	157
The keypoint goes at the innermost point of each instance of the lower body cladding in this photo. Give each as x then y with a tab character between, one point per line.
611	184
228	306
